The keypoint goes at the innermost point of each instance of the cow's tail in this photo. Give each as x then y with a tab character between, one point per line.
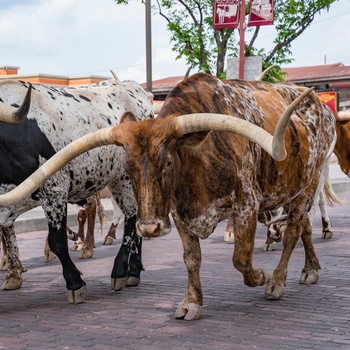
330	195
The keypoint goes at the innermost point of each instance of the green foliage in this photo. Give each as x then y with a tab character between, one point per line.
190	23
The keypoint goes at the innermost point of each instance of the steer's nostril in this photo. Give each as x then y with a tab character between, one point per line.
149	230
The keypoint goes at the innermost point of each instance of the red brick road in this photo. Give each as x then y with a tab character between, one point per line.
234	316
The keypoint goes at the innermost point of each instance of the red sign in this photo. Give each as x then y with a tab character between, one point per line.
261	13
226	14
330	98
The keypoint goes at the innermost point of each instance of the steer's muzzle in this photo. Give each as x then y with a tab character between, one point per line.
153	228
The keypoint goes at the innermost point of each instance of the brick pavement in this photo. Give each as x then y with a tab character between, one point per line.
234	316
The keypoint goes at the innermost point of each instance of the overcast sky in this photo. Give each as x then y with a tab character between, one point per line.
78	37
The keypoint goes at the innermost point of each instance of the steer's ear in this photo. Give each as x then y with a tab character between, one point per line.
193	139
128	117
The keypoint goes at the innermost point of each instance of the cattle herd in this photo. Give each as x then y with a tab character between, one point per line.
218	149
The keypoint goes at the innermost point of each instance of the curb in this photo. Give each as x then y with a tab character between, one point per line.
39	223
35	220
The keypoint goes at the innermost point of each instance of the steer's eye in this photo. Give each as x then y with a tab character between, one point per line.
169	163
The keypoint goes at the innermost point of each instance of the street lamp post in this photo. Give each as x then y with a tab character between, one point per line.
148	46
241	41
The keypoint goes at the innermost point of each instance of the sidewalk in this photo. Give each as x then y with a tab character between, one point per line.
34	220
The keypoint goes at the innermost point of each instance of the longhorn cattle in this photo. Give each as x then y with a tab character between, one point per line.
209	156
88	214
275	221
342	149
57	117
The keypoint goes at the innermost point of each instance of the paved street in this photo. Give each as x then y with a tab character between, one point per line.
234	316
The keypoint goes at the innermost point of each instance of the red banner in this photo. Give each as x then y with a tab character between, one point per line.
261	13
226	14
330	98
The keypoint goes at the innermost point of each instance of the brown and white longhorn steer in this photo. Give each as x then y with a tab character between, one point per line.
178	165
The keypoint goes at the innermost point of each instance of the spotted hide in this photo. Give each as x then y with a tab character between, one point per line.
203	178
57	117
210	155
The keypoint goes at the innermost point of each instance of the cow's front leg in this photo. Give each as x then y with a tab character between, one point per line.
117	217
58	244
120	271
135	262
190	308
245	227
15	268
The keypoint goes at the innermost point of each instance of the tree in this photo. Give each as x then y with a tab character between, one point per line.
190	23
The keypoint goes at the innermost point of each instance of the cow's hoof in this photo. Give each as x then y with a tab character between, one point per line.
3	264
270	247
327	234
86	254
229	237
78	245
49	256
13	281
77	296
107	241
309	277
276	237
133	281
274	291
23	269
119	283
188	311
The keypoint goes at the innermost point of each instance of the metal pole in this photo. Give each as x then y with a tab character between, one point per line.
241	41
148	46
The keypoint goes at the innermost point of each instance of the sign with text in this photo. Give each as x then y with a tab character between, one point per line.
226	14
261	13
330	98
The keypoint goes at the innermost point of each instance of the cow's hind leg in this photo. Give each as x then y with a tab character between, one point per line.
87	250
326	222
117	217
4	259
309	274
229	232
298	225
78	237
15	268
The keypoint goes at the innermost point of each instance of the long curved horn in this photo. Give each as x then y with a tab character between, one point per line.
274	145
14	115
186	124
262	75
60	159
115	76
342	116
157	107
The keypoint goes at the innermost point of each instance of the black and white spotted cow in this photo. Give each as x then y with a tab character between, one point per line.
223	131
57	117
